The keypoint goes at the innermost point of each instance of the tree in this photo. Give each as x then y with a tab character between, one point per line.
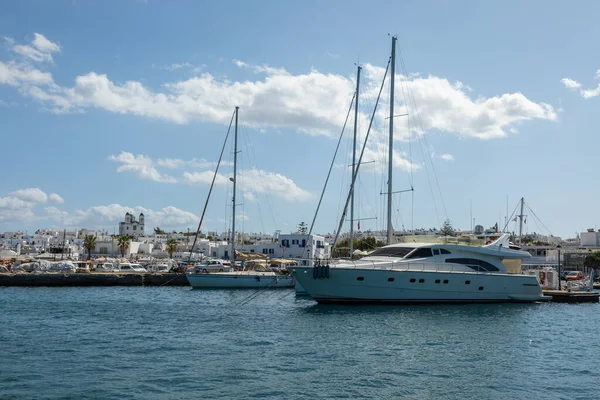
302	228
171	247
159	231
89	243
447	229
592	260
123	244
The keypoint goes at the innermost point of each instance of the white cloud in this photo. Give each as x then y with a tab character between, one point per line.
249	196
311	102
109	215
195	162
18	74
585	93
34	195
140	165
13	203
570	83
375	158
56	198
447	157
254	180
41	49
42	44
204	178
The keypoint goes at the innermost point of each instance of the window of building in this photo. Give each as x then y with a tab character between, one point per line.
264	251
271	251
135	227
303	243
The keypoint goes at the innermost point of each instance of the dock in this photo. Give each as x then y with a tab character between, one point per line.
565	296
92	279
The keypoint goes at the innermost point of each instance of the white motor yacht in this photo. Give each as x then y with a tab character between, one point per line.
425	273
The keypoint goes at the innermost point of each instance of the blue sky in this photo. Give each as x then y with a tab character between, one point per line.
116	106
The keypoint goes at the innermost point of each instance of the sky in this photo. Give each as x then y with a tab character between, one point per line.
108	107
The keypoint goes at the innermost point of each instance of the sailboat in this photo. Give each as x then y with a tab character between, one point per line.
421	272
266	279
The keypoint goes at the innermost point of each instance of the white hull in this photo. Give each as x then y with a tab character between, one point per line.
347	285
240	280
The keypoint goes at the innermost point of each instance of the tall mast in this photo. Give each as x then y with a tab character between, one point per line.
354	163
234	183
391	144
521	220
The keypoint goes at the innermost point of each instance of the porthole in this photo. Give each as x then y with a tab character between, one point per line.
480	287
413	280
390	279
467	282
437	281
445	281
421	280
360	278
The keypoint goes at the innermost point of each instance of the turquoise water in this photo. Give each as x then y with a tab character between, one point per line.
177	343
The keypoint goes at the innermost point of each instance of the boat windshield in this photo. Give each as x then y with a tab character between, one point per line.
399	252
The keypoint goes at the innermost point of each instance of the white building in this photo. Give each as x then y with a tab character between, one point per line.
293	245
591	238
131	227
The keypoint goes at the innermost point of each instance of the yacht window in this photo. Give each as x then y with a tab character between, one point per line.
445	281
360	278
390	279
421	253
392	251
421	280
436	252
437	281
444	251
413	280
473	263
480	287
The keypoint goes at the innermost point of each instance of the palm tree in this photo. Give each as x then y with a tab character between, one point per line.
89	243
171	247
123	244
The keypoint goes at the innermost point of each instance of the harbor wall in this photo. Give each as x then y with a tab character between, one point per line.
92	279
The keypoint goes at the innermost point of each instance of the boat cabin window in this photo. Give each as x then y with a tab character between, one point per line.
473	263
421	253
436	252
392	252
444	251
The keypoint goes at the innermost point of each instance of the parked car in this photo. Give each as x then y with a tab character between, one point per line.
127	267
574	276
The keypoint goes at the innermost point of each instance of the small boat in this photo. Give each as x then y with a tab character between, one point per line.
254	274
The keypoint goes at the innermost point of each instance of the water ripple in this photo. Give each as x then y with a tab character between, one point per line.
175	343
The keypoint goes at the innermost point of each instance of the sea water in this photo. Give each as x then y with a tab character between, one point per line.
178	343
